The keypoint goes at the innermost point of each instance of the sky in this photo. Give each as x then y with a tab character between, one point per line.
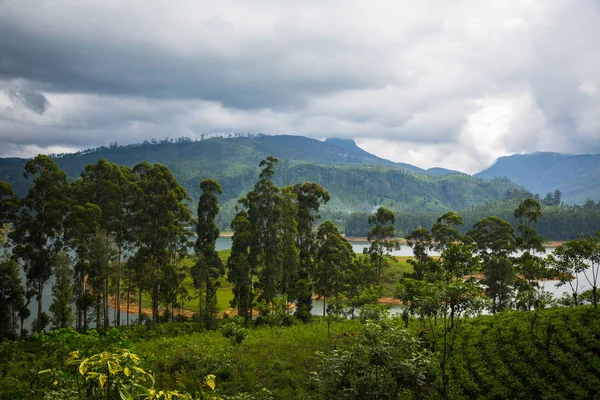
451	84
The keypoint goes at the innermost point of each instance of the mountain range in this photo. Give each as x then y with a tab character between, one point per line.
356	179
577	177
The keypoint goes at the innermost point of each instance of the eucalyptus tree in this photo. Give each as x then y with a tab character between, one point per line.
39	224
208	268
62	290
80	226
9	203
568	260
334	261
109	186
12	293
309	198
264	216
160	220
496	240
529	264
288	233
380	237
240	272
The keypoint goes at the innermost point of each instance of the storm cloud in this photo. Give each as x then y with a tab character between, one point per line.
435	83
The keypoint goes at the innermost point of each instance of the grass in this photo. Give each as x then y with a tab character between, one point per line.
277	358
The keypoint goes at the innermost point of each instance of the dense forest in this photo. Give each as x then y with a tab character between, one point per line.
118	237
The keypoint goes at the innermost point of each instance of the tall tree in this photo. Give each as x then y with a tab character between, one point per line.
421	242
109	187
445	230
264	214
161	219
529	264
334	261
12	293
39	224
80	227
496	240
240	273
208	268
9	203
380	237
309	197
62	290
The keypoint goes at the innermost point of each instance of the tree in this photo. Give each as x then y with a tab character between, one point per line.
109	187
80	227
530	266
12	294
569	261
445	230
383	227
62	290
9	203
592	255
496	240
240	272
334	260
273	256
447	292
421	242
527	214
208	267
39	224
160	219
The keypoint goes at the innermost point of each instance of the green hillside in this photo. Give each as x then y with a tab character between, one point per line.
356	179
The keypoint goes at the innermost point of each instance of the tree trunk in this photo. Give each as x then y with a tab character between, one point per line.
39	300
119	287
140	306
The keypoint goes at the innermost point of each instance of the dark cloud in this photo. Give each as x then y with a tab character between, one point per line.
35	101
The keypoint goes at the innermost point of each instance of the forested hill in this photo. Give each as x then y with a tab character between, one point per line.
356	179
576	176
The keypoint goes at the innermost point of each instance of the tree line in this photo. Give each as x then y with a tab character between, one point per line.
558	222
121	232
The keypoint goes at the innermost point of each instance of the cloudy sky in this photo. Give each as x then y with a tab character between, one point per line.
432	83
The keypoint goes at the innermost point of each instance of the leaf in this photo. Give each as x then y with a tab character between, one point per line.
127	371
125	395
209	380
83	367
113	368
45	371
102	380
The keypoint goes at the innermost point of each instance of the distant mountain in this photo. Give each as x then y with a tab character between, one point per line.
576	176
356	179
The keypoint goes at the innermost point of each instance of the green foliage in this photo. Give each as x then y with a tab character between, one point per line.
39	224
209	267
542	354
383	228
62	313
384	362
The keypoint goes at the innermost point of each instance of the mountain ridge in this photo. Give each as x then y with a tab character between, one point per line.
356	179
576	176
